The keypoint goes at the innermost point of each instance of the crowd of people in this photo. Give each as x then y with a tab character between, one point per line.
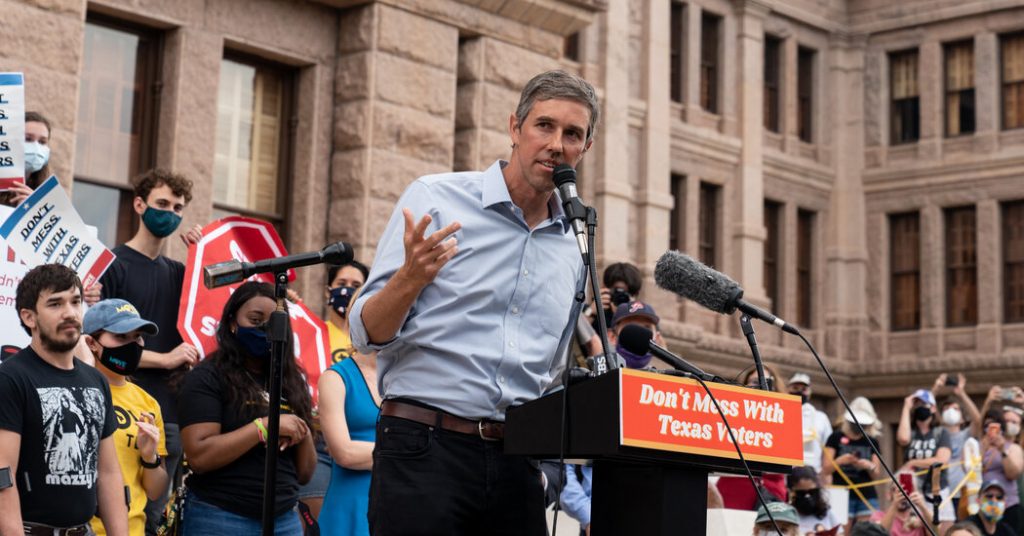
465	313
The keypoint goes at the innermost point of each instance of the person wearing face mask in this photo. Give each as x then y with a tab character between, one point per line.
152	282
1001	461
899	518
223	409
926	443
811	501
37	159
785	517
114	332
343	281
991	516
956	413
817	427
850	451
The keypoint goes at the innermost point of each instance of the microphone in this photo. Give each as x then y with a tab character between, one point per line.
564	177
639	340
233	271
708	287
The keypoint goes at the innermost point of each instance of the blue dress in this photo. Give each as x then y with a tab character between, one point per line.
348	495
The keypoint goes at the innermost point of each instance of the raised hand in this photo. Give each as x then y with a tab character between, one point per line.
425	255
148	436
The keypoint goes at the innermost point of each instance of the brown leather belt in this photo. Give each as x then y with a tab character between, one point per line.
35	529
485	429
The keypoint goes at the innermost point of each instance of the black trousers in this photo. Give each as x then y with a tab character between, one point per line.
429	481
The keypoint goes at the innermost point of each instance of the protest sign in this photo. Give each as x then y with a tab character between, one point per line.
670	413
247	240
12	129
45	228
12	336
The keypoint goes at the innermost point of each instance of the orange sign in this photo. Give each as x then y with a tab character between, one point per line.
671	413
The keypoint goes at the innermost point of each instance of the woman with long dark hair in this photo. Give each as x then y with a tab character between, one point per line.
223	412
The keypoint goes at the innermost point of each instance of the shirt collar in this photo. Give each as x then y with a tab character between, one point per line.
495	192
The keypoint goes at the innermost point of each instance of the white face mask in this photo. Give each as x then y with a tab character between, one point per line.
36	156
951	417
1012	429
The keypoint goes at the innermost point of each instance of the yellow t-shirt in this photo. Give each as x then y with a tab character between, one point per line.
341	343
129	402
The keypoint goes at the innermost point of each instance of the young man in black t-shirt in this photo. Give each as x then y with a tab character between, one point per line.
56	420
152	282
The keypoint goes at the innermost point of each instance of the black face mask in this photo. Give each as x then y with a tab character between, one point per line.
123	360
806	502
922	413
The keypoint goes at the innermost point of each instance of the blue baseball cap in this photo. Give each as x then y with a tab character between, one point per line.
634	309
116	316
926	396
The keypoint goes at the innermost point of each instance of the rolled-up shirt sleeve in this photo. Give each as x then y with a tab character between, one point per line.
389	258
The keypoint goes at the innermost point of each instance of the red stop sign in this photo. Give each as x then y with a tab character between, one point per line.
246	240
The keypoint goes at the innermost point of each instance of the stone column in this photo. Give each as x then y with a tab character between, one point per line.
989	236
845	242
933	290
930	87
746	228
789	130
691	62
654	205
986	91
609	158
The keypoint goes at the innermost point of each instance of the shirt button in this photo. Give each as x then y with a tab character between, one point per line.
501	379
511	344
515	310
526	272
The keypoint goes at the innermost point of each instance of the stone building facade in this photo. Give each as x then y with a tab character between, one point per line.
757	135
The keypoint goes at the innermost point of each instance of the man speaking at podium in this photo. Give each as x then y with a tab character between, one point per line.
468	306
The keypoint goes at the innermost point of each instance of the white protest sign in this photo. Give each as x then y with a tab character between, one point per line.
45	229
12	129
12	336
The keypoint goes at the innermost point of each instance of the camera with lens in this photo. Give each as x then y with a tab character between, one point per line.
619	297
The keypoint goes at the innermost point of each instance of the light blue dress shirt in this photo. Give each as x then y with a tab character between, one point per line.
484	335
576	495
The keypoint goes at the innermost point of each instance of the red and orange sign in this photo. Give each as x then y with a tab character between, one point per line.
671	413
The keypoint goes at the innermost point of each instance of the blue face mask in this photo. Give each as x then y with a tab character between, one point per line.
633	361
160	222
254	340
340	298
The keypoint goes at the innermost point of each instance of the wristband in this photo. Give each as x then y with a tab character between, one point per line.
261	430
147	465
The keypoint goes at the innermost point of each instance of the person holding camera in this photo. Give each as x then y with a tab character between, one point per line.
849	451
1002	461
898	518
958	416
622	283
926	444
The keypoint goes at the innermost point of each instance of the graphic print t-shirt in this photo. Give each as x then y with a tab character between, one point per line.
61	416
924	446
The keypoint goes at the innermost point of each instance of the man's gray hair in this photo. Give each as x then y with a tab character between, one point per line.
559	85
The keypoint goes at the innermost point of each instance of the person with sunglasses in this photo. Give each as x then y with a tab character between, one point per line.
991	506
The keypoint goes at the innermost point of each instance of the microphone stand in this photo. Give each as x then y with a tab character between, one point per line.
277	333
602	363
748	331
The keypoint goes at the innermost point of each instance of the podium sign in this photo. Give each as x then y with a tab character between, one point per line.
672	413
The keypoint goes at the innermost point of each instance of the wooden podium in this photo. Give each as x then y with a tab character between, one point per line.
654	438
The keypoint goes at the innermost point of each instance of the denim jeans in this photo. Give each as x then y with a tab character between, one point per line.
204	519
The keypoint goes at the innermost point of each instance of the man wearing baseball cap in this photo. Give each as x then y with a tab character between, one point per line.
785	517
817	427
991	506
113	330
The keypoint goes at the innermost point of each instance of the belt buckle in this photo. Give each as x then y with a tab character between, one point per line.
480	429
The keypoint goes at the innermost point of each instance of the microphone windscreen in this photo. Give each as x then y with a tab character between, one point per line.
337	253
562	174
635	338
697	282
